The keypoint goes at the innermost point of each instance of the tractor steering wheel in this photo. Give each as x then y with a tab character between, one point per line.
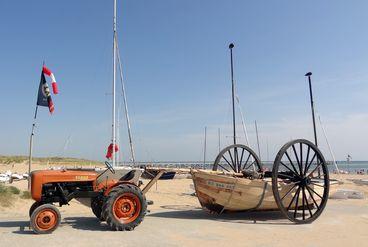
109	166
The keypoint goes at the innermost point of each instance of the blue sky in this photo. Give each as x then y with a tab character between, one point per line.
176	66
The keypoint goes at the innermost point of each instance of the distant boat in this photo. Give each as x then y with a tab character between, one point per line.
151	173
4	178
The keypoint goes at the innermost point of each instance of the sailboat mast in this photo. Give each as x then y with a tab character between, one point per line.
231	46
312	106
113	89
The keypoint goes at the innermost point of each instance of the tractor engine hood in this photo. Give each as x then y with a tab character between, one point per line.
39	178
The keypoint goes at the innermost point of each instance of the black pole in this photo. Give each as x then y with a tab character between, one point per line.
312	106
231	46
31	148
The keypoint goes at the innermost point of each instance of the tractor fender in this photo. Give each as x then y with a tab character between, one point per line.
109	188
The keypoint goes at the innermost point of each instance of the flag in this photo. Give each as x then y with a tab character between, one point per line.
44	95
110	150
48	72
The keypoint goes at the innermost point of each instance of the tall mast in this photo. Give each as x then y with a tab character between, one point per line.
231	46
113	88
312	106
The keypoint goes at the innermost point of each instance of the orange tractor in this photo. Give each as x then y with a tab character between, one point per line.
113	194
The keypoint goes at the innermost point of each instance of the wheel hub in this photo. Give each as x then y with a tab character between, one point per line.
305	181
46	219
126	208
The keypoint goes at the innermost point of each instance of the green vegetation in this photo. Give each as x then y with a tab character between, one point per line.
26	195
48	160
6	196
13	190
10	193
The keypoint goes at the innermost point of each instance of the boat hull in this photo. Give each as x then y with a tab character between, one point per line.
222	192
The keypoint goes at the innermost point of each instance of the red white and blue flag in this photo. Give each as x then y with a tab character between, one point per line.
44	94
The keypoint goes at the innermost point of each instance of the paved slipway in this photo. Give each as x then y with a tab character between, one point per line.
176	220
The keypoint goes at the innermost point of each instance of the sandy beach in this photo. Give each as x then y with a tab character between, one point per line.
176	219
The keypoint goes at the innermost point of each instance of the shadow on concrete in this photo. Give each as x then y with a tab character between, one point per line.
23	226
264	217
86	223
83	223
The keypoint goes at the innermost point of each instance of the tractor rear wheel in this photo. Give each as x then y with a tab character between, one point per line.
33	207
45	219
124	208
96	206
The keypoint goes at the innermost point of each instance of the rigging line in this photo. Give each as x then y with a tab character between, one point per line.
243	123
118	133
125	103
328	143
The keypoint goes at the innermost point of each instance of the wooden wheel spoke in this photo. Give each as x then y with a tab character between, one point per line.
283	197
291	163
241	159
250	165
303	205
296	205
314	201
315	192
323	186
297	159
246	161
232	161
306	200
301	159
282	163
291	202
315	169
310	163
223	156
306	160
236	159
223	167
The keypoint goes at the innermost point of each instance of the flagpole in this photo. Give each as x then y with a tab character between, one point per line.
31	148
113	89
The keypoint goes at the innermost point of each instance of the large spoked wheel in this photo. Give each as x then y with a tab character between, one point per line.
45	219
125	207
300	181
237	158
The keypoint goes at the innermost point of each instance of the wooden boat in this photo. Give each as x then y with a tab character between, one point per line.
298	185
220	192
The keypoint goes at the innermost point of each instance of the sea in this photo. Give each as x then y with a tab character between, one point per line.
350	167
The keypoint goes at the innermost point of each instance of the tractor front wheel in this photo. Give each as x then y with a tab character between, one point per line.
45	219
33	207
124	208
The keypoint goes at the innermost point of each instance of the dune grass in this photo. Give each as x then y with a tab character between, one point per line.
48	160
8	194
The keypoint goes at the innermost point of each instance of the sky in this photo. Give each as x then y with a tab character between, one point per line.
176	67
